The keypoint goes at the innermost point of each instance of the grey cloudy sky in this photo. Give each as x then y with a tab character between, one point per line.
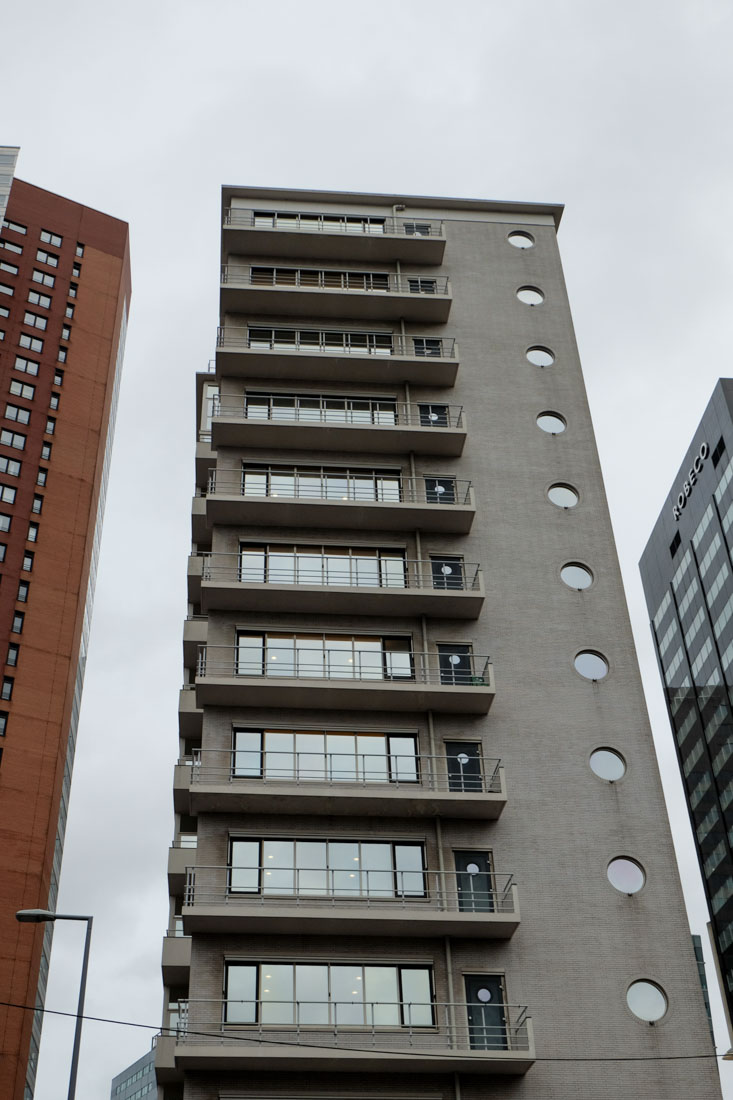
620	110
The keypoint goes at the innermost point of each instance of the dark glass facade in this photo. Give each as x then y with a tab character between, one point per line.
688	582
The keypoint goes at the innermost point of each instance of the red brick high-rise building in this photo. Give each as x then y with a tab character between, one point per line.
64	299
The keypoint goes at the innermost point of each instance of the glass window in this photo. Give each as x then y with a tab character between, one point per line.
12	439
26	366
576	575
15	412
37	299
23	389
340	994
626	875
33	529
327	868
552	423
45	257
18	618
647	1001
51	238
521	239
7	688
10	466
564	496
44	278
530	295
591	665
13	653
343	757
5	522
540	357
7	494
33	343
34	320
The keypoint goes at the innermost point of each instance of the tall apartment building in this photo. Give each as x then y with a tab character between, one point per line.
403	867
686	573
64	295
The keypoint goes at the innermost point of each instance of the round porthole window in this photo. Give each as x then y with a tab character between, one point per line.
530	295
484	995
540	357
626	875
462	759
591	665
647	1001
472	869
520	239
607	764
551	422
564	496
576	575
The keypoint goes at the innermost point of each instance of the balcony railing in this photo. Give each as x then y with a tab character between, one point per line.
307	769
431	1028
359	225
343	571
366	413
365	665
302	887
352	282
325	342
276	482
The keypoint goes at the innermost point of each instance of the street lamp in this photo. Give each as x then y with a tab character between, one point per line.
41	916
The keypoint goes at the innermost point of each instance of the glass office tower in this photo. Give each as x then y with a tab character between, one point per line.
686	573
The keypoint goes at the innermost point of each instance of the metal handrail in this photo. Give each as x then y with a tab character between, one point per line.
345	571
435	286
452	1025
363	486
447	891
337	342
369	225
365	665
392	770
371	413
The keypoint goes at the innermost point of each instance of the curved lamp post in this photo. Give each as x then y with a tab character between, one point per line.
42	916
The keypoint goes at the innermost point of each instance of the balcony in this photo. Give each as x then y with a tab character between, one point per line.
420	786
195	629
176	962
179	860
464	1038
190	715
352	679
333	424
359	295
361	237
427	903
275	496
326	583
322	355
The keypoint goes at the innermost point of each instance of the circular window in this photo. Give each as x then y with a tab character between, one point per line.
647	1001
530	295
551	422
591	665
576	575
472	869
484	995
540	357
607	764
626	875
564	496
521	240
463	758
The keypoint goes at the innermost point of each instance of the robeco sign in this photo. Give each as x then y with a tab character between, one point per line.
691	479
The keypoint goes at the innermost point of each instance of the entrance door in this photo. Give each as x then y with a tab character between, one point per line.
455	663
447	572
474	882
485	1012
440	490
434	416
464	765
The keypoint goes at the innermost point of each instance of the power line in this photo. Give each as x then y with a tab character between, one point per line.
358	1050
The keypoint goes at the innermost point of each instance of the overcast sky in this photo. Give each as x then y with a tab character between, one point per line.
619	110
